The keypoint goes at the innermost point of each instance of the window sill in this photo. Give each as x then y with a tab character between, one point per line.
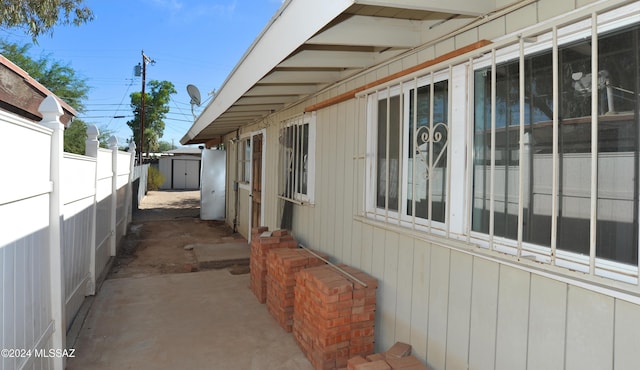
295	201
613	288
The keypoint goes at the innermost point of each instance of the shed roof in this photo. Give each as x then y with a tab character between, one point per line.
309	45
22	94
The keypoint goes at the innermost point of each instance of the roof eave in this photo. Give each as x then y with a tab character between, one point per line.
272	46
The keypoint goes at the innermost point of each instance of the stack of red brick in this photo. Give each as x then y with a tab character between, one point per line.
262	242
398	357
282	265
333	316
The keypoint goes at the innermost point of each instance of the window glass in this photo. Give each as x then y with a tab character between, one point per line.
388	153
617	144
297	159
617	207
246	160
302	153
427	151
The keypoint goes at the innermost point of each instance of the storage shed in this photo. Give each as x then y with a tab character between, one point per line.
181	169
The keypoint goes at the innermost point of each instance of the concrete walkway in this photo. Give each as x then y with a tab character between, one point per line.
199	320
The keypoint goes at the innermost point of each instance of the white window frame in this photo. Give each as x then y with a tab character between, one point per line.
286	190
244	161
403	90
554	37
560	30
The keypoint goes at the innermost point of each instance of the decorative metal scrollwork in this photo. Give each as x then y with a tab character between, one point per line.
431	140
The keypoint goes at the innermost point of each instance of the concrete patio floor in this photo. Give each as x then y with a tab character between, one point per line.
146	318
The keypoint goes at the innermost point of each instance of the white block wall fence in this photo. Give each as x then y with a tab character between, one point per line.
61	218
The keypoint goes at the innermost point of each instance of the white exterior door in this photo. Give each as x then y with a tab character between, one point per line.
212	192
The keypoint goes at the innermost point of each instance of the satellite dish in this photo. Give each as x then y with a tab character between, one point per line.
194	93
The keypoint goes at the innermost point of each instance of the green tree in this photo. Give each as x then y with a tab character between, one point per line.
61	80
75	136
165	146
156	106
37	17
56	76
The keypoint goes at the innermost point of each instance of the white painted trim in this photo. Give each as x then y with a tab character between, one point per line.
249	186
271	47
596	284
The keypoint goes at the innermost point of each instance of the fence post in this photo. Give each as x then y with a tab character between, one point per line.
51	112
129	204
113	145
91	150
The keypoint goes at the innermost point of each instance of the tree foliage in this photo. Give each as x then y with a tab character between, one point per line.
61	80
156	106
56	76
165	146
75	137
38	17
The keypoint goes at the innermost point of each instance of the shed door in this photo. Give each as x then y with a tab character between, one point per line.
186	174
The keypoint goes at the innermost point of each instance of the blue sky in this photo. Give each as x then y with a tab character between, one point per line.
192	41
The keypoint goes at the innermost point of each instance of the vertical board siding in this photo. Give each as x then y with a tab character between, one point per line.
547	323
420	298
458	309
484	302
627	336
367	248
389	290
346	116
404	289
590	324
338	183
356	245
438	306
376	269
513	317
460	278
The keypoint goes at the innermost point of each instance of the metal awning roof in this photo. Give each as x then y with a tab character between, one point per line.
309	45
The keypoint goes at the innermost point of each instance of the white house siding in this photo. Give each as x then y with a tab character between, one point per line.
459	306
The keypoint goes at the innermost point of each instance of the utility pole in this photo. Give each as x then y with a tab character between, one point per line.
145	60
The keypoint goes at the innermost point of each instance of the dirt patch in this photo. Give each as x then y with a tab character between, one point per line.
167	222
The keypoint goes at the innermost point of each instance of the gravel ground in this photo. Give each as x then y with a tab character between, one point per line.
168	205
166	223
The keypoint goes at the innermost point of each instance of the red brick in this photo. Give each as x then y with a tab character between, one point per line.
280	232
323	317
374	365
398	350
282	268
376	357
355	361
406	363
